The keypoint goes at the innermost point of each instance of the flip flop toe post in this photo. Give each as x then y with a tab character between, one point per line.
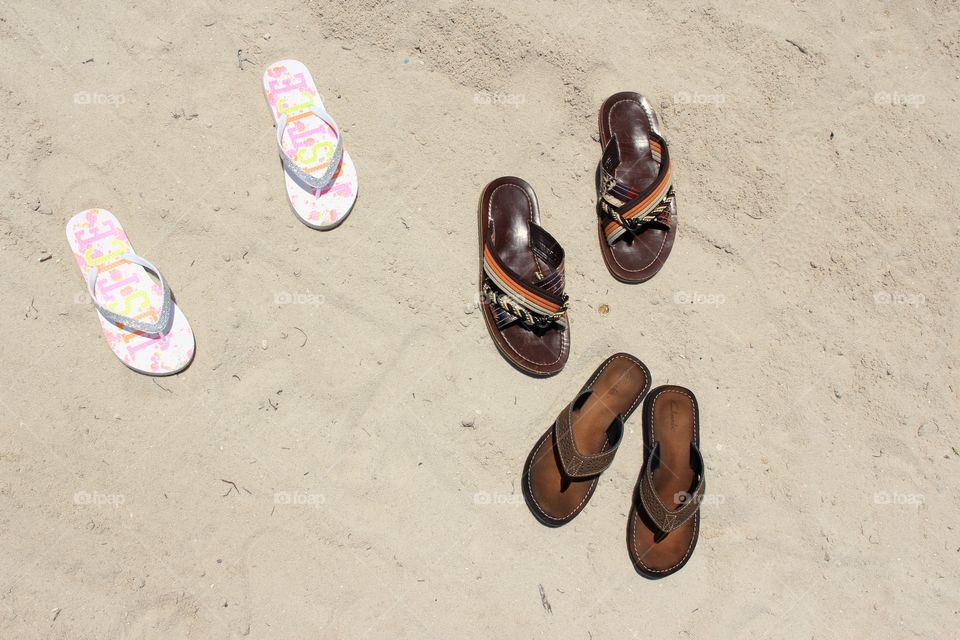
140	319
664	523
564	466
320	176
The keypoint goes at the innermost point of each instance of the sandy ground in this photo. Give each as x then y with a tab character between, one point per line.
810	302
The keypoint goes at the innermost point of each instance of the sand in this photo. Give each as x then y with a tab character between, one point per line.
311	474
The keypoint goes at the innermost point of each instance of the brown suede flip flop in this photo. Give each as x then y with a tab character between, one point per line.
522	280
636	209
665	518
562	470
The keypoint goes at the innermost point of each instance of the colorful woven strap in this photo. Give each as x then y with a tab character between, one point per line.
666	519
576	465
537	304
628	208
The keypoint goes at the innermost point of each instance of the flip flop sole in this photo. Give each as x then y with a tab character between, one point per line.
290	90
328	208
616	389
98	241
671	417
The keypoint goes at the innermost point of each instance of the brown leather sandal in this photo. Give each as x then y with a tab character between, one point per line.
562	470
665	519
636	209
522	280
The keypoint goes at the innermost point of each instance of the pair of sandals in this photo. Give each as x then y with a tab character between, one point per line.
139	318
564	467
522	266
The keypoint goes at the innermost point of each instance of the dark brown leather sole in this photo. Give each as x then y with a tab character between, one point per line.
616	389
507	208
671	417
633	258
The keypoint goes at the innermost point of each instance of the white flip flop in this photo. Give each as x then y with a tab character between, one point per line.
320	175
142	324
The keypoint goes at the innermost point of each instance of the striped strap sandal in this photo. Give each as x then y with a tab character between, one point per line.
522	280
636	207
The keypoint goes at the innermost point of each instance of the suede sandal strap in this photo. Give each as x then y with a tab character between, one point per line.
575	464
666	519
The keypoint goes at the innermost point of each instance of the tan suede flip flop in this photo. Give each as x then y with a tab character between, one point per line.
562	470
665	519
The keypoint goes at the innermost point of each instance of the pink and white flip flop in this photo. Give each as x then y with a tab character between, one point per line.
140	320
320	175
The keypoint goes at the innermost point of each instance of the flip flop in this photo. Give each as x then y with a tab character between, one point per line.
564	467
140	320
320	175
636	208
522	280
665	520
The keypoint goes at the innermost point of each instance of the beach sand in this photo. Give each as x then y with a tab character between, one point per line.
342	459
